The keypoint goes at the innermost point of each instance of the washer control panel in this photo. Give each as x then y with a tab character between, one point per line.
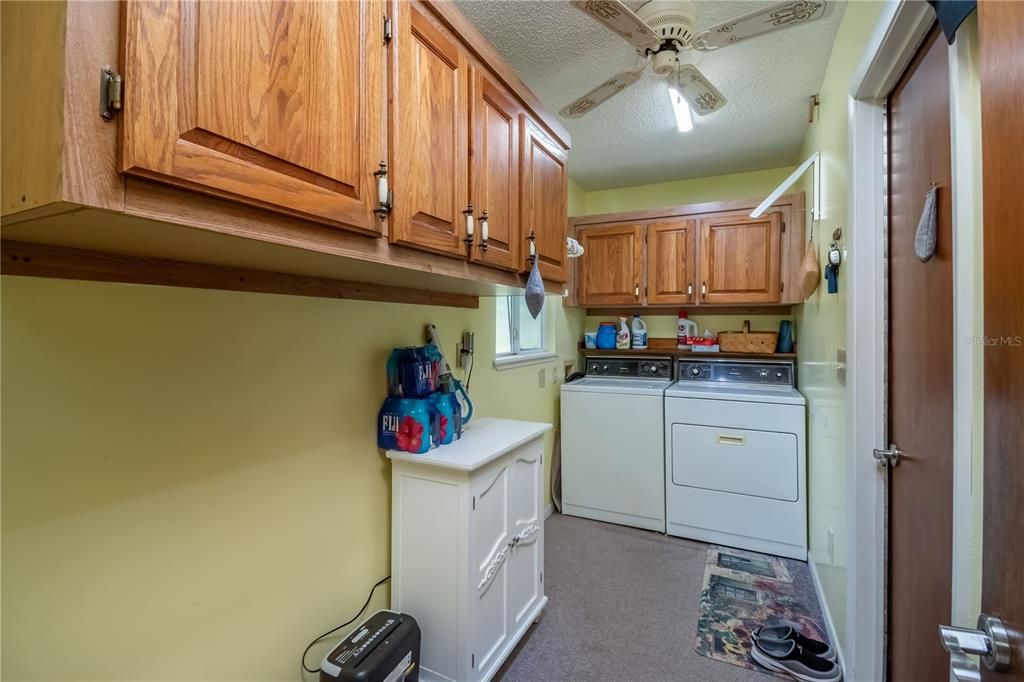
774	373
633	368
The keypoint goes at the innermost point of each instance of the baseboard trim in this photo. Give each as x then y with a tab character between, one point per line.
548	511
829	625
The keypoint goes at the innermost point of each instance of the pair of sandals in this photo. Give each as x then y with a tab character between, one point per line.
783	649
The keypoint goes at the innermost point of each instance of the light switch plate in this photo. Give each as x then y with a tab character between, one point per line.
542	375
841	366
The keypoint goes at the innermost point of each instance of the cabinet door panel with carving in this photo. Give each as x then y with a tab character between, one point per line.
612	264
430	135
740	259
544	191
495	173
671	262
277	104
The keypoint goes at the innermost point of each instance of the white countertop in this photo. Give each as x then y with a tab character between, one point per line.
483	441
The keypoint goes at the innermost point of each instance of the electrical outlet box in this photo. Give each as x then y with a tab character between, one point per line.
841	366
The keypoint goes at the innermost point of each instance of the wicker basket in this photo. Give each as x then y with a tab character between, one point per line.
747	341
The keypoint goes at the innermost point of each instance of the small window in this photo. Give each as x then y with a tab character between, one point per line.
517	333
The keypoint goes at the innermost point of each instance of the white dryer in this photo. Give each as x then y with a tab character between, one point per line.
613	452
735	456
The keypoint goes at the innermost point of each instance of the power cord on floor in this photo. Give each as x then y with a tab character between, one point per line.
335	629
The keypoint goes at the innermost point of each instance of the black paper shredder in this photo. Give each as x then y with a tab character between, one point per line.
385	648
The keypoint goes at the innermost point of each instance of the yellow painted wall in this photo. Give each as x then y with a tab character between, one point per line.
191	487
752	185
821	320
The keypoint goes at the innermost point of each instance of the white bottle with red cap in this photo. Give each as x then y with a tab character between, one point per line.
685	327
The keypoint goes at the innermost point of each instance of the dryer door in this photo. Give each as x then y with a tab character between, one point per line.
742	461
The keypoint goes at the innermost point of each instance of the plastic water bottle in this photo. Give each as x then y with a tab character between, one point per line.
639	333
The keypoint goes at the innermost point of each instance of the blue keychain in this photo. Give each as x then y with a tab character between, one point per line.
832	268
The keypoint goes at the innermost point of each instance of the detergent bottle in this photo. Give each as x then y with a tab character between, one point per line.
639	333
685	327
622	338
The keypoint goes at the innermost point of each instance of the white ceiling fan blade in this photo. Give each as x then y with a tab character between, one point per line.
602	92
703	97
774	18
620	19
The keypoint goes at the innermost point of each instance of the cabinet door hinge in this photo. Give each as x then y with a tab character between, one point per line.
472	661
111	89
783	225
782	287
387	29
474	503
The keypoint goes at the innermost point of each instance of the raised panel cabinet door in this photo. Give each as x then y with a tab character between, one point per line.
430	135
610	270
545	193
277	104
526	564
495	174
740	259
491	544
671	262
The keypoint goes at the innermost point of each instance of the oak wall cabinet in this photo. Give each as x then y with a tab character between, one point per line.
495	174
740	259
671	262
349	142
545	199
275	104
711	254
431	135
614	268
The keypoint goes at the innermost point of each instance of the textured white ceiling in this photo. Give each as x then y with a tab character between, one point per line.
632	138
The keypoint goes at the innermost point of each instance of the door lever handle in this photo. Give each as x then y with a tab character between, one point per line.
991	642
890	457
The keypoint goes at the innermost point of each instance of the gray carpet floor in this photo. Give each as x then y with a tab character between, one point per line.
623	605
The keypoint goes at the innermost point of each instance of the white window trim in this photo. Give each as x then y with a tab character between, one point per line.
520	358
509	361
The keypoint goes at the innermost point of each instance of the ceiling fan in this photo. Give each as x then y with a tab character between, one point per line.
661	30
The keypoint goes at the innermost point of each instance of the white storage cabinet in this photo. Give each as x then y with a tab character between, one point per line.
467	545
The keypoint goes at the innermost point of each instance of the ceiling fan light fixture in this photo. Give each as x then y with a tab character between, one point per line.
682	111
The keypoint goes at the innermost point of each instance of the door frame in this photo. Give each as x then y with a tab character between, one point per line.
898	34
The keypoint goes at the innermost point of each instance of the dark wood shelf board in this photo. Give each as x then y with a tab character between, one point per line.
40	260
694	310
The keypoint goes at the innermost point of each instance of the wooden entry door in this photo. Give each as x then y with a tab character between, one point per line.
920	371
1000	25
277	104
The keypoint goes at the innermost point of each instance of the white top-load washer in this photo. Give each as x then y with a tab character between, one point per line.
613	451
735	455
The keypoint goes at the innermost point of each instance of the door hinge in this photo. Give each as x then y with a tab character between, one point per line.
542	577
111	90
474	503
387	29
472	660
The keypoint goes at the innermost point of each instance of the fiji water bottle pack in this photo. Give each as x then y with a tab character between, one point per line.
420	411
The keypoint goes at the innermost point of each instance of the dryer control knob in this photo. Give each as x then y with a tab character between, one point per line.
695	371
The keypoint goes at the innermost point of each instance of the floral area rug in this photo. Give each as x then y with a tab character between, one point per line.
746	590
